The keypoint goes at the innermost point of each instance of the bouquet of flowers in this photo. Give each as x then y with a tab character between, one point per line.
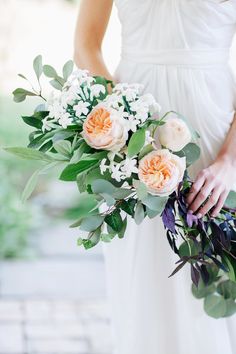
128	160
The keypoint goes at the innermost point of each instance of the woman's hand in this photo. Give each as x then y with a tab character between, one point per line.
211	188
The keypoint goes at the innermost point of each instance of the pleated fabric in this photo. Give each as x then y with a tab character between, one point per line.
179	51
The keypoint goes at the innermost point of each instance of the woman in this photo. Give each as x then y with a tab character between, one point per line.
179	50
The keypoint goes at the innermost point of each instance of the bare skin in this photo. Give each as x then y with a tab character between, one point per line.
216	180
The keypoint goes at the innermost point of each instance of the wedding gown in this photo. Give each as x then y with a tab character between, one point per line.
179	50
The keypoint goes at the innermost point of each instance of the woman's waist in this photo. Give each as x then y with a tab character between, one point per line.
179	57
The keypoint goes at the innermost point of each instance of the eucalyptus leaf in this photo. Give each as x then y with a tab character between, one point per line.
93	239
67	69
20	94
38	66
49	71
100	186
227	289
155	203
192	153
215	306
91	223
202	290
56	84
139	213
85	205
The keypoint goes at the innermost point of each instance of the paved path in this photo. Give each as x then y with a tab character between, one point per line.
54	327
55	303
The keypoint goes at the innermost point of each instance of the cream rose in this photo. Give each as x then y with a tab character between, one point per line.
174	134
105	129
161	171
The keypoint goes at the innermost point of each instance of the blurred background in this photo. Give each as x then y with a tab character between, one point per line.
52	293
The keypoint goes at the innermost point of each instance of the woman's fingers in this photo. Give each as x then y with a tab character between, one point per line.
211	202
201	197
196	186
219	204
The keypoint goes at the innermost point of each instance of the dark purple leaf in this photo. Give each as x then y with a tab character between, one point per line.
195	276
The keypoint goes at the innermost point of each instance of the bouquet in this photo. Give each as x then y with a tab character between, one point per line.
129	161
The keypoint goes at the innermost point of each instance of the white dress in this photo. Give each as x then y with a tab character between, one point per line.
179	50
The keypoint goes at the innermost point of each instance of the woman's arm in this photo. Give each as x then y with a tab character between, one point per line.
90	30
217	180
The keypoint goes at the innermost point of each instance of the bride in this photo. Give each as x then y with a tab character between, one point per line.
179	50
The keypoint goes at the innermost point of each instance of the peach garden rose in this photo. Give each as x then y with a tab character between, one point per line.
161	171
105	129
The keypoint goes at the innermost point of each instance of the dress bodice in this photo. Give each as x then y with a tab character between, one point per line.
159	25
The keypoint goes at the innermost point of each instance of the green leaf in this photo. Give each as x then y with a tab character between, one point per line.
22	76
230	264
29	154
146	150
72	170
188	248
56	84
121	234
63	147
139	214
215	306
91	223
81	181
155	203
141	189
83	149
114	220
30	186
122	193
202	290
110	201
32	121
101	186
230	307
152	213
20	94
136	142
227	289
49	71
231	200
128	206
192	153
38	66
67	69
93	239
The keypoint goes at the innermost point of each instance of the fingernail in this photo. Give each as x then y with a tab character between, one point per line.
199	215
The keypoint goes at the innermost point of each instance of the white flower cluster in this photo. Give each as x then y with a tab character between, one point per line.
119	170
140	107
78	93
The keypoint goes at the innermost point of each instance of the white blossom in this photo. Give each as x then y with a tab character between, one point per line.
129	166
47	124
148	138
103	166
116	172
65	120
132	123
96	90
81	108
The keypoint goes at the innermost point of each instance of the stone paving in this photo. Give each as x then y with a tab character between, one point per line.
54	327
55	303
